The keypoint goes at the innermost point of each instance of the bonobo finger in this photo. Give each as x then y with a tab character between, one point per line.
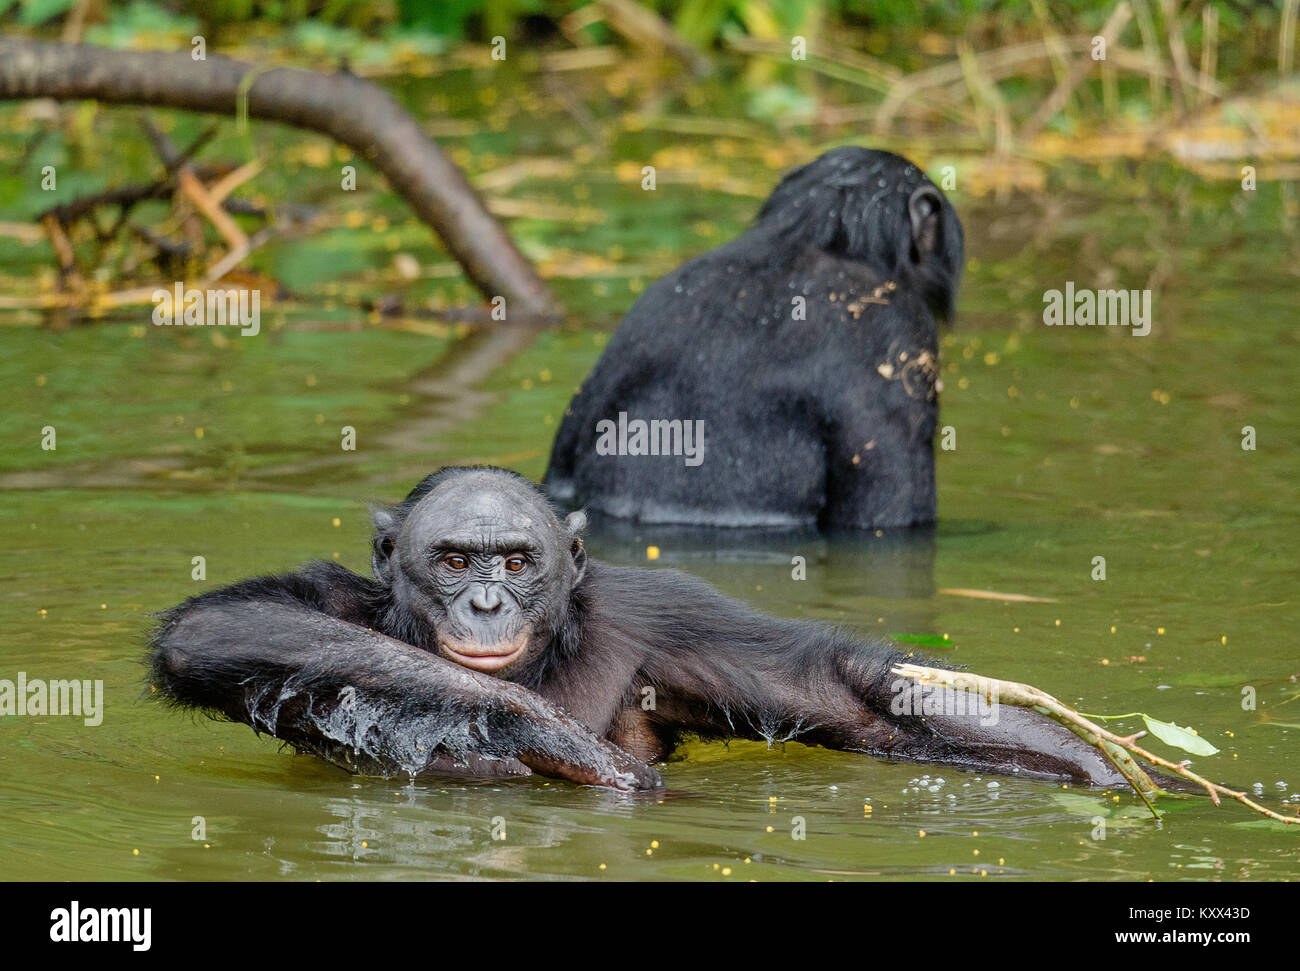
609	767
633	775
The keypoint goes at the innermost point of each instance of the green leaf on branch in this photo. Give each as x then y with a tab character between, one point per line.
1183	738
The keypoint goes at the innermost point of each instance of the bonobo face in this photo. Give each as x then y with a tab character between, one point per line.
482	570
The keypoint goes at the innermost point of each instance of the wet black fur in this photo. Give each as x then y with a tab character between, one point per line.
801	426
314	658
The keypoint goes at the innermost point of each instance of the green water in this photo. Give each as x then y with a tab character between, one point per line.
1071	444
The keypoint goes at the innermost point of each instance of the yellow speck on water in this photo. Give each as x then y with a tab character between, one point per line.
311	380
952	872
602	866
1112	629
1223	639
769	829
135	852
43	611
748	860
103	606
771	798
336	521
1058	622
654	844
1160	630
526	384
974	832
1105	661
726	871
717	866
652	552
198	432
1001	862
649	852
40	380
207	846
157	779
975	852
1015	630
920	832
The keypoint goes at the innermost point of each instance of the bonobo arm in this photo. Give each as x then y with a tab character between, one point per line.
720	669
364	700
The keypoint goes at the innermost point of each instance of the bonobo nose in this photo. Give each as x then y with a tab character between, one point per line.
485	599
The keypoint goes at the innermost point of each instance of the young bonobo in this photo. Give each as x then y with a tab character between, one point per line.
804	354
488	644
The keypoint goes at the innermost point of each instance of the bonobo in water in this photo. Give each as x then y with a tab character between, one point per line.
489	644
804	354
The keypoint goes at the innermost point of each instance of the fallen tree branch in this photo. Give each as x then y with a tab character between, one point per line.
1115	747
350	110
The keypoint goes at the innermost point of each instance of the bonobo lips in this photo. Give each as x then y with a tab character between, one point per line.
484	657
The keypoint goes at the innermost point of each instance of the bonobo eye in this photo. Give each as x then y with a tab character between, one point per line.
515	563
454	561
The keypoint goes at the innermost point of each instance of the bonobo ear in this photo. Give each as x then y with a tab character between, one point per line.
381	553
925	208
574	524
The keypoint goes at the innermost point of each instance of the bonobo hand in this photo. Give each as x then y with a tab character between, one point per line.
613	768
553	744
960	728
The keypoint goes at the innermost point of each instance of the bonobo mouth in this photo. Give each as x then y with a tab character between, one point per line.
484	657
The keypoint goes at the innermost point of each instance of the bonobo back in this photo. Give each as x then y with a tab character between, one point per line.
788	378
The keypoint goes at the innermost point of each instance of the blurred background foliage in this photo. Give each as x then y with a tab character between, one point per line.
1243	26
1004	96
